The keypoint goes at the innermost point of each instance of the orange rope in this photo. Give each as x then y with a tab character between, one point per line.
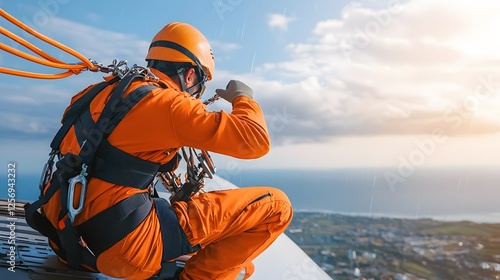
35	75
45	38
39	60
27	45
48	60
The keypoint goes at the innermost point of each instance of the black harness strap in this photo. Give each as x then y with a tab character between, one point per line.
67	239
114	111
115	166
38	221
80	129
108	166
175	242
107	121
75	110
33	218
118	221
71	241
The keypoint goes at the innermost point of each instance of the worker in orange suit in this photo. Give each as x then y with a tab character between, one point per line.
222	230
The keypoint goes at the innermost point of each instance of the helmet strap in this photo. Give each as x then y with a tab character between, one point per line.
190	90
182	81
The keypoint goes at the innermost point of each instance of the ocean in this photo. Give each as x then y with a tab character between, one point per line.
441	194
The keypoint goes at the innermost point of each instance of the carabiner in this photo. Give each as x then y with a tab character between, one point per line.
207	164
81	178
212	99
47	171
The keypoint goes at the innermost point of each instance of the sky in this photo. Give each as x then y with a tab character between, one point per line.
343	84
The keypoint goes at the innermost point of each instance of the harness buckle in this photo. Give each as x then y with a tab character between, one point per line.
78	179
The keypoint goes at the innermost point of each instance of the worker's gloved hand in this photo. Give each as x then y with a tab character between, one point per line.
234	89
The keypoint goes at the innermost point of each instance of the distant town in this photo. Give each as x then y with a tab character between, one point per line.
364	248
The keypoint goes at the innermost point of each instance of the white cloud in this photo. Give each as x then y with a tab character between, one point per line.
94	17
279	21
224	46
98	44
32	110
402	69
223	50
373	71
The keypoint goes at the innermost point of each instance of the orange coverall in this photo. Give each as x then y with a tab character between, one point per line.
233	227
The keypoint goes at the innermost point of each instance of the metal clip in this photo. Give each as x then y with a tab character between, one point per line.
47	171
170	181
148	75
207	164
212	99
116	68
81	179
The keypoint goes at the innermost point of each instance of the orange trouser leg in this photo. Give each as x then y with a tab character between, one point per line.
233	227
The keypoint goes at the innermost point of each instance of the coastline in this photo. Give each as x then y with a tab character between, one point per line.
486	218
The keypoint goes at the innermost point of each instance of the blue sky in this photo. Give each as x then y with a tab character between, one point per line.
342	83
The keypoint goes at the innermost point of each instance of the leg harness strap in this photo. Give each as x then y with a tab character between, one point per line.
175	242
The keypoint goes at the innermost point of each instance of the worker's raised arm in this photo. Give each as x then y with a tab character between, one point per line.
241	133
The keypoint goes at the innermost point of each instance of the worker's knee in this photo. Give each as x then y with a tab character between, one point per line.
278	203
279	195
285	207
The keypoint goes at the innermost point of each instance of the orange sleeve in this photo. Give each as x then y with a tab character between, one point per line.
241	133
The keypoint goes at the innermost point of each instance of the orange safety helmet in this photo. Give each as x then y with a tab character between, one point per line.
181	42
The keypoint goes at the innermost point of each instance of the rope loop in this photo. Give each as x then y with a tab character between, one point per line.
44	59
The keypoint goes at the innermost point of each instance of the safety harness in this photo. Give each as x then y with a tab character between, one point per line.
81	245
